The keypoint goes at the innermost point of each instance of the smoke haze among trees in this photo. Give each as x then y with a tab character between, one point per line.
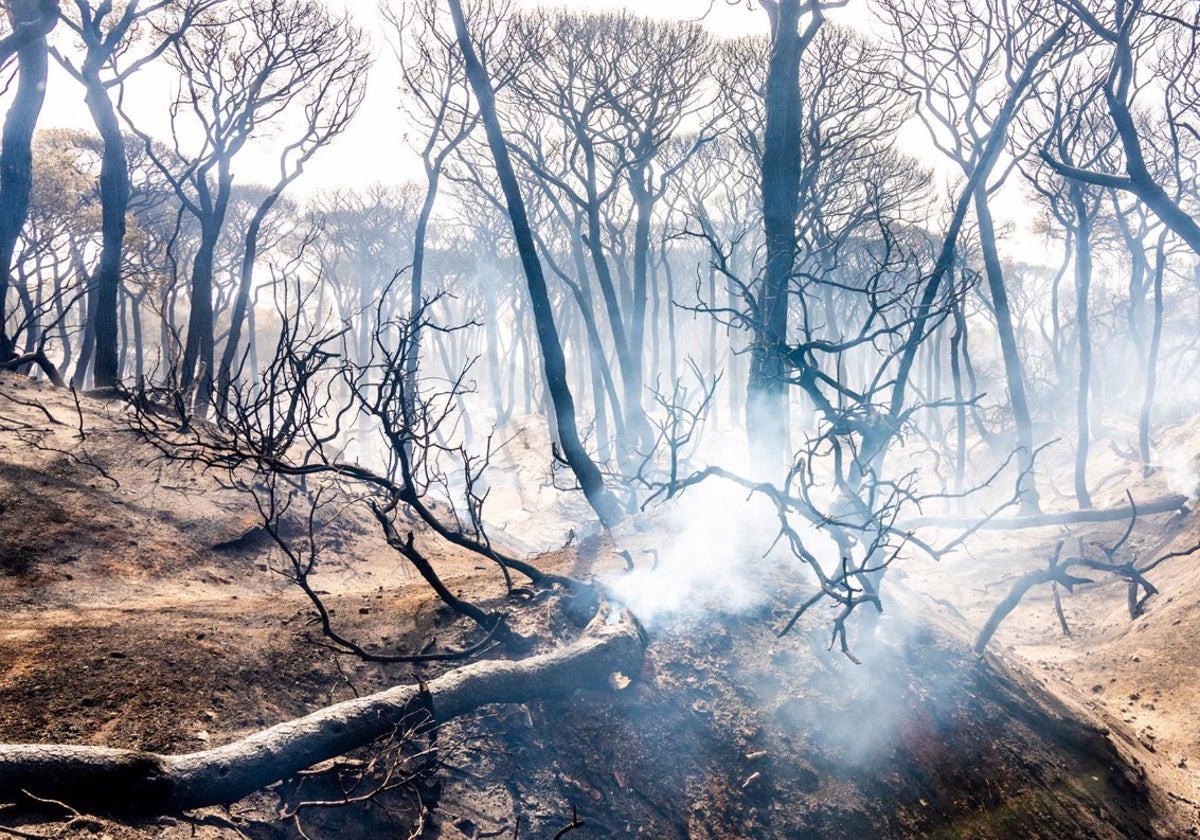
678	253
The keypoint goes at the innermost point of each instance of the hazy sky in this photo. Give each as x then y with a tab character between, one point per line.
373	148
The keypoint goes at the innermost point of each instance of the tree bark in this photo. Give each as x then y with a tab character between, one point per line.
106	780
1083	283
1147	409
199	347
635	416
766	398
114	200
241	303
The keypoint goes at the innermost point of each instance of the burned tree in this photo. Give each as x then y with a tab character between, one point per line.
592	121
1129	32
329	64
243	73
766	401
584	468
107	37
134	783
1066	572
971	66
30	21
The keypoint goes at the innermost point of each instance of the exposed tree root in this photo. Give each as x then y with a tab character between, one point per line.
129	782
1163	504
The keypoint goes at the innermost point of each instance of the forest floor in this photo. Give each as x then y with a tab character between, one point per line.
1139	677
141	606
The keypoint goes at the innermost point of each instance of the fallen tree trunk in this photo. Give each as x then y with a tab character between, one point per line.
129	782
1164	504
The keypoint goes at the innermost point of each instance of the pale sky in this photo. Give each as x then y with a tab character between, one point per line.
372	148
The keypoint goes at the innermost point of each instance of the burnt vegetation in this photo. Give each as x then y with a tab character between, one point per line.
749	326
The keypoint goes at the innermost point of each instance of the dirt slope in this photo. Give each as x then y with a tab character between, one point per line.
1137	678
137	609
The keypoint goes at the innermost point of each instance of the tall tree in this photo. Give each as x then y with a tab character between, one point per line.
972	64
1075	129
593	120
767	411
30	22
329	64
106	34
243	73
590	479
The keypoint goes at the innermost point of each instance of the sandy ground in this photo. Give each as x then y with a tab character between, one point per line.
1138	678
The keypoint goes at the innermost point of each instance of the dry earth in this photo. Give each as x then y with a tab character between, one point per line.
140	607
1137	678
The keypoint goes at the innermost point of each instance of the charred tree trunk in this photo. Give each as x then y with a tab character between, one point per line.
601	369
627	439
64	334
1147	408
766	398
416	296
16	147
635	416
114	200
199	347
241	303
87	342
135	317
1083	283
957	340
553	361
672	327
1014	374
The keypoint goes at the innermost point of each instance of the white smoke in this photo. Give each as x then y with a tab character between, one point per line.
717	554
1179	472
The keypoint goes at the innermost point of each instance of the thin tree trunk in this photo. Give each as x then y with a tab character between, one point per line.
16	149
114	200
241	302
553	362
416	295
27	307
582	290
1144	416
635	416
672	330
199	347
87	344
64	334
1083	281
713	363
1013	371
139	355
122	334
957	340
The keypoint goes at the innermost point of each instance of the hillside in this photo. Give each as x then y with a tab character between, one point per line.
141	610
